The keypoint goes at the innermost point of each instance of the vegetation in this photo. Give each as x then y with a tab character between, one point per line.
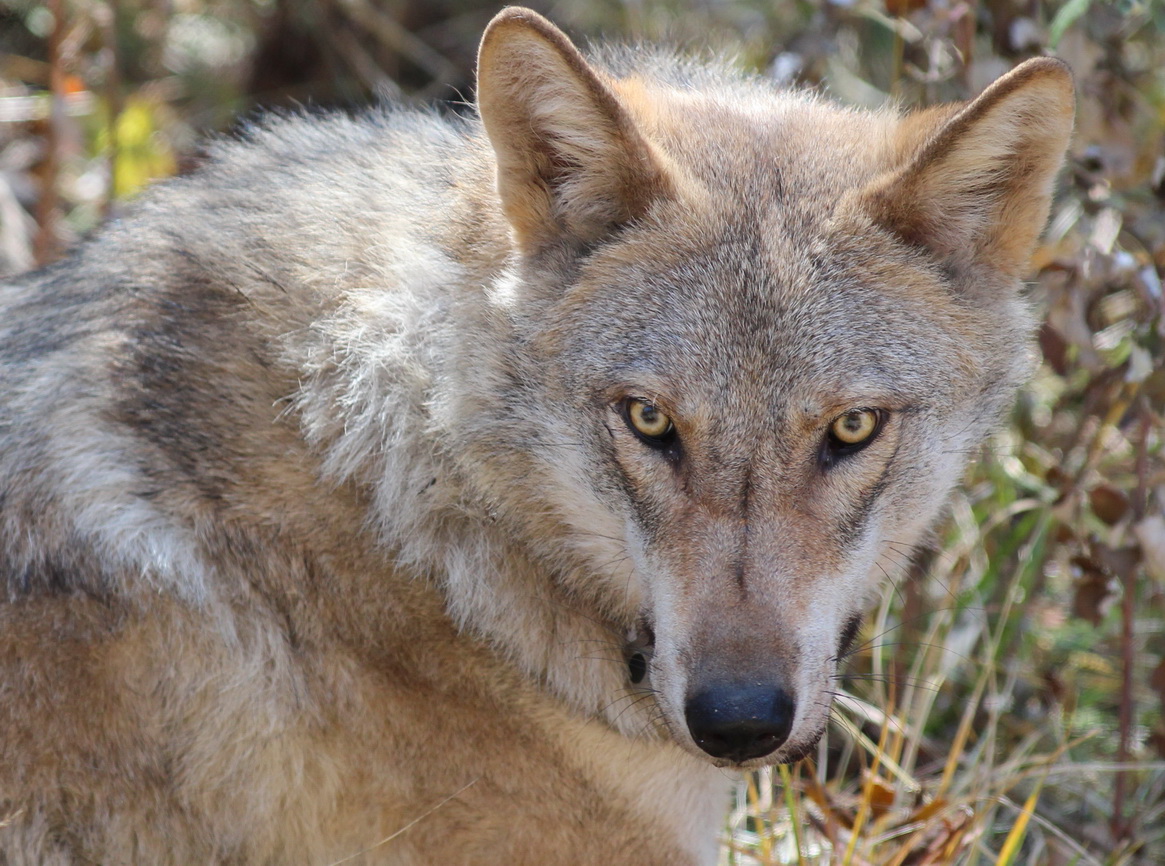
1004	703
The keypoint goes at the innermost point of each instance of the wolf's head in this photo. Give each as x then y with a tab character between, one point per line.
755	338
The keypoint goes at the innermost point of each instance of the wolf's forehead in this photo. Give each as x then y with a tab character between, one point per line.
755	278
768	293
769	314
832	348
778	147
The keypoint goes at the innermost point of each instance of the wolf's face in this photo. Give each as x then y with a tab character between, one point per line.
778	435
771	437
769	338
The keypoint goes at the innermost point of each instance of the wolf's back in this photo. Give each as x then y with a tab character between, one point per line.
144	376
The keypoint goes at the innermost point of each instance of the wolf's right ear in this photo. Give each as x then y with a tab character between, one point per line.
572	165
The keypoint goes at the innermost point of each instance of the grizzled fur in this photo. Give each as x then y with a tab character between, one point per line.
328	525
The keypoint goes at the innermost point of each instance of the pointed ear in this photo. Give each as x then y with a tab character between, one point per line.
977	189
571	163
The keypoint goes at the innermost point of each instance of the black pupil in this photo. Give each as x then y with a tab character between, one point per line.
649	415
854	422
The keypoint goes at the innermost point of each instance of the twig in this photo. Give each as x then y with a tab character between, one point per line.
362	64
106	14
45	245
1122	829
391	33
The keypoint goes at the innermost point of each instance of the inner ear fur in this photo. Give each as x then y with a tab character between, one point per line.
976	190
571	163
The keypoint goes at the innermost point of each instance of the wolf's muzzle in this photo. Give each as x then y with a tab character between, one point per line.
740	721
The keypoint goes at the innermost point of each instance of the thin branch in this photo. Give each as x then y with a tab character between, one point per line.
46	245
1122	828
106	15
393	34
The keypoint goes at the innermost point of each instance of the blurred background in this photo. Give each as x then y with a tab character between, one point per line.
1005	702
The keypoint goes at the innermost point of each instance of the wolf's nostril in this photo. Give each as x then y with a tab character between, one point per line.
637	666
740	722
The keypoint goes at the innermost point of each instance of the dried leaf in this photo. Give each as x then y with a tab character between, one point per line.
1108	503
1068	300
1157	680
1092	595
1118	562
1054	349
952	839
903	8
881	793
1057	477
1057	690
928	810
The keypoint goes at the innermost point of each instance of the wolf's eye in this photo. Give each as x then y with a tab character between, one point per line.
646	420
854	427
854	430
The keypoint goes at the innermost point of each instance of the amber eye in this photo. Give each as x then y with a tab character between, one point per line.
855	428
646	420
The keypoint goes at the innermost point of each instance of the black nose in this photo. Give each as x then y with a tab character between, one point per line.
740	722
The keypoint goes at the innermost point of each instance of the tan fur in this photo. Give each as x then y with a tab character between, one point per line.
325	533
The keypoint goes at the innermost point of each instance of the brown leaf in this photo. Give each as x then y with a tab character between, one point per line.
1068	314
1057	690
1118	562
1092	590
881	794
928	810
1054	348
1157	680
1057	477
1108	503
903	8
950	841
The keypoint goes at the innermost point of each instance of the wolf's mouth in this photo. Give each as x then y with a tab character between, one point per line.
638	651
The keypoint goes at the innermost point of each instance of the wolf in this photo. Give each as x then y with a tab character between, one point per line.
409	488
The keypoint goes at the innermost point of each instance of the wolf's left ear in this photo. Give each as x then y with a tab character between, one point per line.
977	191
572	164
